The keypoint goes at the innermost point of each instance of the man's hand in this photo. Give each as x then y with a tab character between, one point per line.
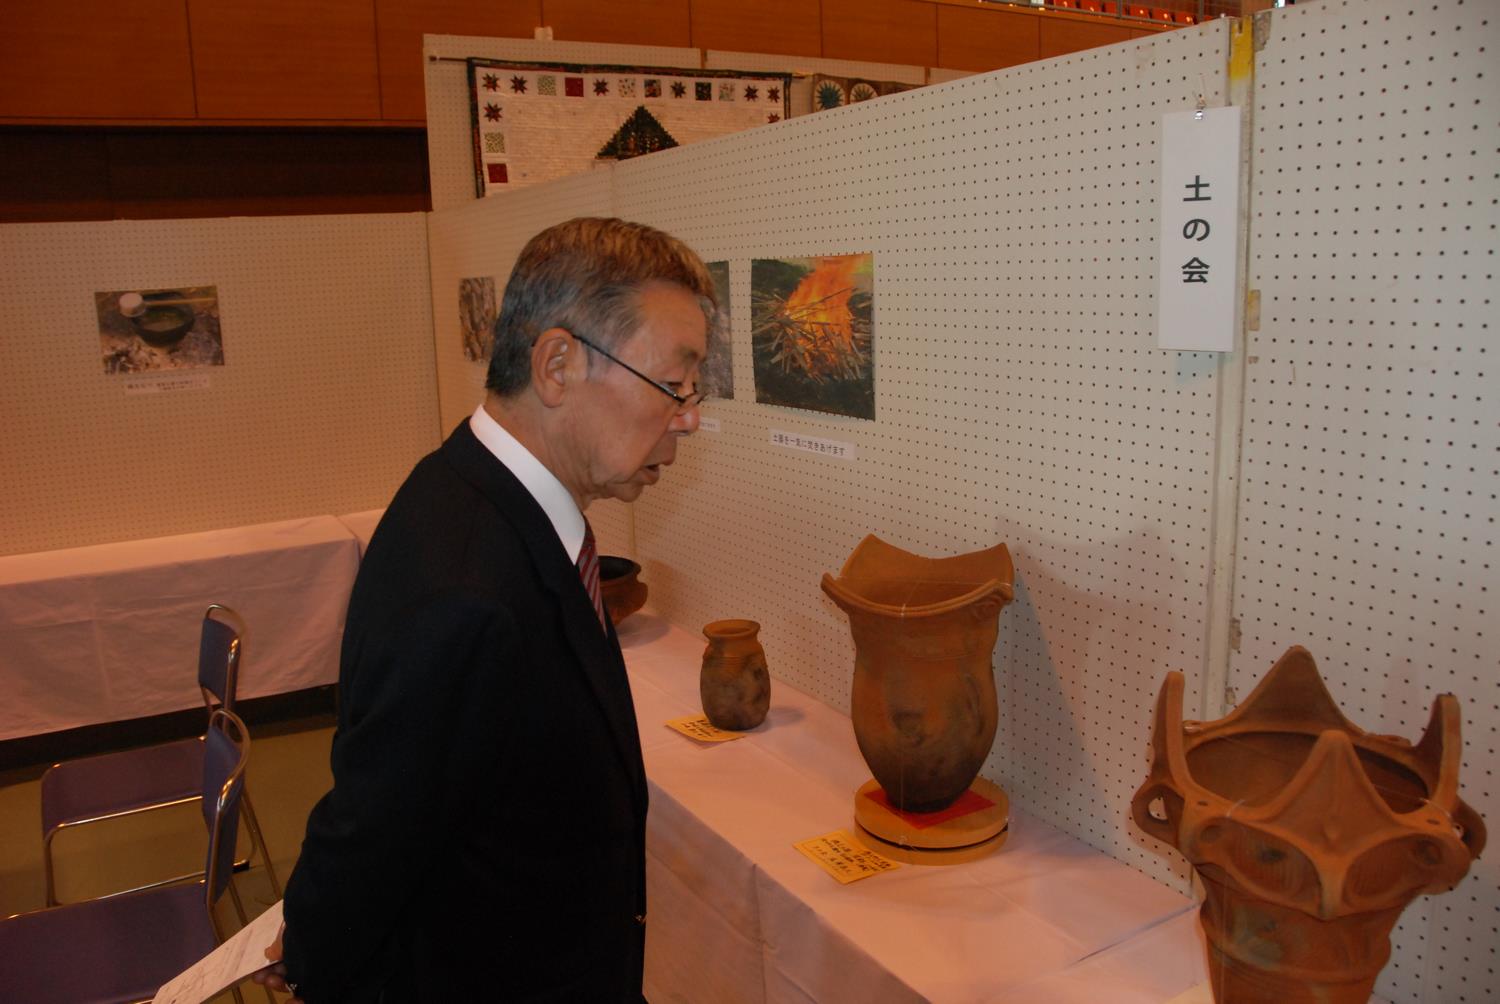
274	975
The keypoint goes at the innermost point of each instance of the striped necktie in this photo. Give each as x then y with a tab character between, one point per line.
588	571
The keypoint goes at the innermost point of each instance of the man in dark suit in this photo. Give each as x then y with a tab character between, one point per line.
485	835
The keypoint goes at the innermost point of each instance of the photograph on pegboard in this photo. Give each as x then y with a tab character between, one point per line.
477	310
716	375
141	330
812	333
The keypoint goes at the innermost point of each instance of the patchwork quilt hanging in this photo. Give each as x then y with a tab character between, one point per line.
538	121
835	92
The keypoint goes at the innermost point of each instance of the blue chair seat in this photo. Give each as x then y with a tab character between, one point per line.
100	786
135	943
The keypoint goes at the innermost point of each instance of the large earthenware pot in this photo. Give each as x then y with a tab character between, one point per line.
734	684
619	584
923	699
1310	834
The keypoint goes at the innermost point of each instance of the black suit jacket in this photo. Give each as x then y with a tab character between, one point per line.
485	835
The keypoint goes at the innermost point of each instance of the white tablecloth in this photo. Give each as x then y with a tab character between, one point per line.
106	633
362	525
738	914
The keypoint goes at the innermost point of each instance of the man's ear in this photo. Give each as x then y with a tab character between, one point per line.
550	358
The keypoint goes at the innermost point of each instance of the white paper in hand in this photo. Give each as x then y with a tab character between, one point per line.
226	965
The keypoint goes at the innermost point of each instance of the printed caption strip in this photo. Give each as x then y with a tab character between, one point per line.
812	444
842	855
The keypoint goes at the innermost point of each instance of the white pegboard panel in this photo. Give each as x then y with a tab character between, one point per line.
1369	473
483	238
1019	395
450	144
325	400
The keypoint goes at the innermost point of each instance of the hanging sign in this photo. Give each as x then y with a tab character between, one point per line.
1198	252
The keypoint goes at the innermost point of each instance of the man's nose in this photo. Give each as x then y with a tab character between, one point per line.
685	423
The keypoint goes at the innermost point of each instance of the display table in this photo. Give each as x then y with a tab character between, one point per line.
738	914
362	525
108	633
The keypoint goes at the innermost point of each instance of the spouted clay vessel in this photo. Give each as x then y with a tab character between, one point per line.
923	699
1310	834
734	683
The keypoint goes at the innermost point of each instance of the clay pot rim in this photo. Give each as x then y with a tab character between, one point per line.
1432	760
850	600
731	628
632	567
915	567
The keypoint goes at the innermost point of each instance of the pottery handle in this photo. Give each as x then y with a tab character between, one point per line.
1164	830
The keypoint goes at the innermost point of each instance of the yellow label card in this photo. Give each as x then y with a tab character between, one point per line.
842	855
700	728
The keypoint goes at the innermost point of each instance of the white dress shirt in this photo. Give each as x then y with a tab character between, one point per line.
543	485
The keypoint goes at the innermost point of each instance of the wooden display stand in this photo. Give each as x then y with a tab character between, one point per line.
974	826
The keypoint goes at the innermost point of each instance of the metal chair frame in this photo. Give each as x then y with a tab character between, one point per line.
222	825
213	702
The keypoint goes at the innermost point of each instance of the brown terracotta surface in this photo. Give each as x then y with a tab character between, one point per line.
923	699
734	683
1311	835
624	593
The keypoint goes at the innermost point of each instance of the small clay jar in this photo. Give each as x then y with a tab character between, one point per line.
619	583
734	684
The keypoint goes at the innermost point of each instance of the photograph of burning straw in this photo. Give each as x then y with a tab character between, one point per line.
813	333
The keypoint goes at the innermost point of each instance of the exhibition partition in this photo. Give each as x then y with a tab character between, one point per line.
1331	483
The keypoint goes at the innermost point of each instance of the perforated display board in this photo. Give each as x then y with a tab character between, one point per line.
1020	397
324	401
1368	505
1019	392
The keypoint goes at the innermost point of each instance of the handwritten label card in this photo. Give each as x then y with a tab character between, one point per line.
841	855
700	728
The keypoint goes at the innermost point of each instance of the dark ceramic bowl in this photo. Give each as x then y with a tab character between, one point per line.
624	593
163	324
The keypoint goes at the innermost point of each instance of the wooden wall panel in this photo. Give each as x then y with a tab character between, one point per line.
880	31
1059	37
623	22
779	26
986	39
96	59
285	59
400	25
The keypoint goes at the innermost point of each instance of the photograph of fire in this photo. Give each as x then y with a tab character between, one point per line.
813	333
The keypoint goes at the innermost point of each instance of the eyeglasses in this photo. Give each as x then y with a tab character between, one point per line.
685	402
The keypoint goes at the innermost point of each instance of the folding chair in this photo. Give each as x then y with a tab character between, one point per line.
98	788
123	948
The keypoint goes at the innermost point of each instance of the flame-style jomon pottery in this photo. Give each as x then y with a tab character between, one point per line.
1310	834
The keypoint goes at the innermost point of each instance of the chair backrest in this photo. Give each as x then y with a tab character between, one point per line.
226	753
219	656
